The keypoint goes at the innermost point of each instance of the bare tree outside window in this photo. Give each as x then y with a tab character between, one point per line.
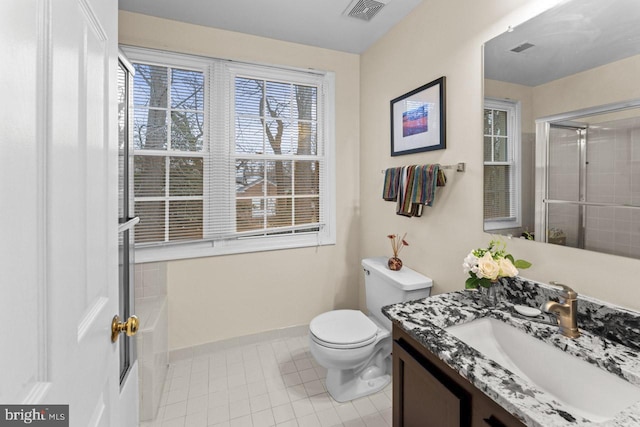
168	119
180	190
274	120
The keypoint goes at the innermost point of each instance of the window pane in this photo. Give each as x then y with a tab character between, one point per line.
150	129
185	176
497	192
187	90
151	225
500	123
185	220
306	142
249	136
306	178
278	96
307	210
263	207
279	175
500	149
249	178
283	214
187	130
149	176
306	102
278	137
150	86
246	218
248	96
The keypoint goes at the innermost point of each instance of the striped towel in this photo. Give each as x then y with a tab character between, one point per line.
427	177
406	207
391	184
412	187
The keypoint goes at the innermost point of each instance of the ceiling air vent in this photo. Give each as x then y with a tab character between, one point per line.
365	9
522	47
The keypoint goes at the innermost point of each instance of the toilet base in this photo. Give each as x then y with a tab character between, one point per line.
345	384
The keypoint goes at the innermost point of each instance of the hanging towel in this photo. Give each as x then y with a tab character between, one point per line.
391	184
412	187
427	177
442	178
406	207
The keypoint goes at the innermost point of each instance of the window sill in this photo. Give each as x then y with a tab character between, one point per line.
501	225
232	247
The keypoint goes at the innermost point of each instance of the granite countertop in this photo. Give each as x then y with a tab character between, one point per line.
610	337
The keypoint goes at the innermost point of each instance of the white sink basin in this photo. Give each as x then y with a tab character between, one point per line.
585	389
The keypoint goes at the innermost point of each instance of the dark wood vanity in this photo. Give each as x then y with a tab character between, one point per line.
428	393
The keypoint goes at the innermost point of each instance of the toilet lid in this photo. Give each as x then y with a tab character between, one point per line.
343	328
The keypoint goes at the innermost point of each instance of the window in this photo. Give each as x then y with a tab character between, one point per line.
229	157
501	165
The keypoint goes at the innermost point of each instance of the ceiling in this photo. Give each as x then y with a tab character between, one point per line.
575	36
310	22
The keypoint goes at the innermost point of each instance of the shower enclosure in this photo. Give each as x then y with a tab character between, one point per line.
588	191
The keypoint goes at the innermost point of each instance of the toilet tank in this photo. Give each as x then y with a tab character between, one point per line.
384	287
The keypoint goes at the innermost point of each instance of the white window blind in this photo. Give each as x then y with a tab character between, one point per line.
230	157
501	165
169	153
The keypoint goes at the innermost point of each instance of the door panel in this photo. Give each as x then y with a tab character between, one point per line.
59	182
21	219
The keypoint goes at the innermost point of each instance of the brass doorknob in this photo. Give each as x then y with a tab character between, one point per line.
130	327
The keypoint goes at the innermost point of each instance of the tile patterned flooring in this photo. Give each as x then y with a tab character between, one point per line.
267	383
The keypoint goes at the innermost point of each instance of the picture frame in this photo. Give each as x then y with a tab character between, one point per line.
418	120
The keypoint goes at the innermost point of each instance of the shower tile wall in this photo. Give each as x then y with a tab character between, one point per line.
613	176
151	279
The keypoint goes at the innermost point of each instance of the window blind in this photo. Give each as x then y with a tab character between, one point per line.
227	151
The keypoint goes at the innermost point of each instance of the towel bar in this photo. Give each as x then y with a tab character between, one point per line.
459	167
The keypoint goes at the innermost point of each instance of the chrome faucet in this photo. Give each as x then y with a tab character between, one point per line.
566	311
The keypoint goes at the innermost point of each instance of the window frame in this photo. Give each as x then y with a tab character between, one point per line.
514	137
215	109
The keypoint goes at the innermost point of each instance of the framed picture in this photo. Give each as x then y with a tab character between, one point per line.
418	120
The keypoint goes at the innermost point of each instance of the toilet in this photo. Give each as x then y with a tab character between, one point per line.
356	348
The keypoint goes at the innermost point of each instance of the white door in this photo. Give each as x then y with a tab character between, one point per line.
58	208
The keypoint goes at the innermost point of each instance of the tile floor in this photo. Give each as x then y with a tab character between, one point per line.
268	383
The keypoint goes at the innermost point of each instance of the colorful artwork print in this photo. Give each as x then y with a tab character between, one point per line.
418	119
415	121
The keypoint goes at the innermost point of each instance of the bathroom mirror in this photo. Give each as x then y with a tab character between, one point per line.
562	128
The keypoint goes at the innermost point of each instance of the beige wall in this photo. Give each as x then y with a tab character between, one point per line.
602	85
215	298
444	38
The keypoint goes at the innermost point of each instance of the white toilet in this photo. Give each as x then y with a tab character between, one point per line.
356	349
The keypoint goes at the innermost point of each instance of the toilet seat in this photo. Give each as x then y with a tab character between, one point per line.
343	329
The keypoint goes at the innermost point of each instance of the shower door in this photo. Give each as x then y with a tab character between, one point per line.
126	223
588	188
566	180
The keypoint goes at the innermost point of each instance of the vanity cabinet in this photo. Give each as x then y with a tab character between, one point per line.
428	393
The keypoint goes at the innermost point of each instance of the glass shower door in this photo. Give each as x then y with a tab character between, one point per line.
566	182
126	219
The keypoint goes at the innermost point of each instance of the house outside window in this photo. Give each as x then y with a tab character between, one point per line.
230	157
502	164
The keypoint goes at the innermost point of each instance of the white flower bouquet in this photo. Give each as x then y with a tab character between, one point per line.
488	265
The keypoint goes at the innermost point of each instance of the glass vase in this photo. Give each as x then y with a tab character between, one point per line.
489	296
